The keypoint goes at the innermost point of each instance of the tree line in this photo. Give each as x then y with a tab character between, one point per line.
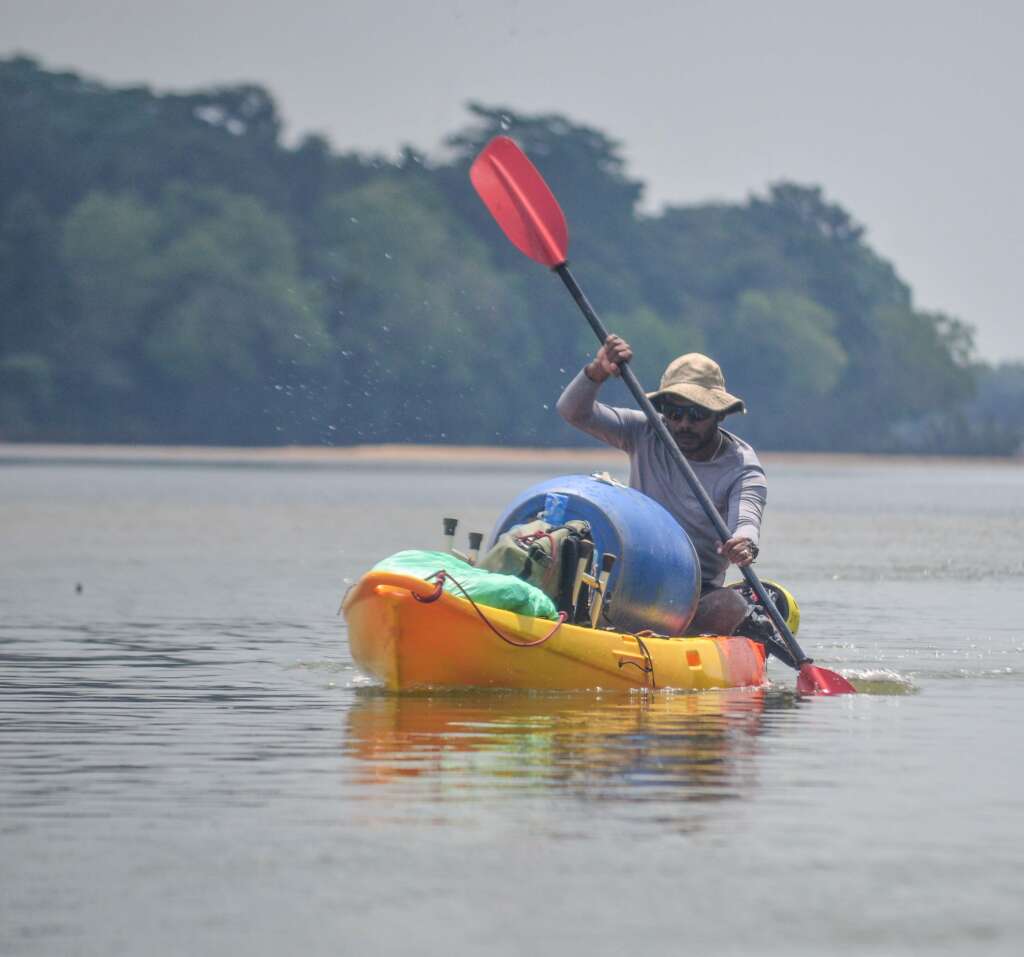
171	271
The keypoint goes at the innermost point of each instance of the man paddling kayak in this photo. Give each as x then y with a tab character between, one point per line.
693	402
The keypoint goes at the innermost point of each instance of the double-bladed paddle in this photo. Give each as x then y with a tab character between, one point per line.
529	215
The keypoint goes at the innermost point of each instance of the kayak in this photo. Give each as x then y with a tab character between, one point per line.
408	633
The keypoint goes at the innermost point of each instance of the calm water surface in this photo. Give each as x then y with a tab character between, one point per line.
191	763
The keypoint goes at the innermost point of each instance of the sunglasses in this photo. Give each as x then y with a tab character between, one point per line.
676	413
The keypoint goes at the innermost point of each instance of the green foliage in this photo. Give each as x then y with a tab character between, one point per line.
26	391
418	314
185	310
171	272
993	421
783	346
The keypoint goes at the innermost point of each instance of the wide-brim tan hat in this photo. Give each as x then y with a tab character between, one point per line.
698	379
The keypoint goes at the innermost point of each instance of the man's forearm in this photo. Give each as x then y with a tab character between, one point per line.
576	403
579	407
747	510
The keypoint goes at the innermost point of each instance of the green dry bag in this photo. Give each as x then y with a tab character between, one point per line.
484	587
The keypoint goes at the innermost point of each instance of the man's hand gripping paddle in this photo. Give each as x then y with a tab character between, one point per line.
529	215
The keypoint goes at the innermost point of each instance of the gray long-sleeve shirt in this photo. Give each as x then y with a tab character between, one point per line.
734	478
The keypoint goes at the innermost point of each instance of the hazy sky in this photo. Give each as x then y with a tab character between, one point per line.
908	112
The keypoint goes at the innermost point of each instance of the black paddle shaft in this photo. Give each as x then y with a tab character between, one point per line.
659	426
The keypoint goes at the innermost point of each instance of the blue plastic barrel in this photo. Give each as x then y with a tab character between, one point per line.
655	582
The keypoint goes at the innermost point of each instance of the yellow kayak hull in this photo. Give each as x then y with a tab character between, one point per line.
450	643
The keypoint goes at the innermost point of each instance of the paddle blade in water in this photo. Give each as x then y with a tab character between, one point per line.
815	680
521	202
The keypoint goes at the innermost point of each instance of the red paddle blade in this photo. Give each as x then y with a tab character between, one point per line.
521	202
815	680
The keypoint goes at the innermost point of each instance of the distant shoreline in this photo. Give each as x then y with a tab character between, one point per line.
369	455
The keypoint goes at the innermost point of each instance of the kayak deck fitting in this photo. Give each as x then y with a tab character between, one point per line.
408	633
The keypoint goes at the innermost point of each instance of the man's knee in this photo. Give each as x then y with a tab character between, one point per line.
719	612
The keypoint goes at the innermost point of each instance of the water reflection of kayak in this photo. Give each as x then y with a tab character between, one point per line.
628	747
450	642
